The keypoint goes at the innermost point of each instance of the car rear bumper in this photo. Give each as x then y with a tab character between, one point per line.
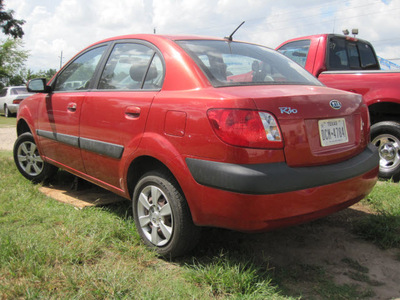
275	178
13	108
279	196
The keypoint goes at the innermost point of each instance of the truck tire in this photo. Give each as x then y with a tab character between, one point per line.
162	216
386	136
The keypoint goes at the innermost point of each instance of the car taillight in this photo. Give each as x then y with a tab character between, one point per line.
18	101
246	128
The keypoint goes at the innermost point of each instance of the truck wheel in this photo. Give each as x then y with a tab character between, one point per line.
28	160
386	136
162	216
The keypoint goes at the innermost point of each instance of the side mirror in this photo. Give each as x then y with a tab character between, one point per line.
38	85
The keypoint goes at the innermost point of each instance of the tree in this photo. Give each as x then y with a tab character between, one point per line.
9	25
41	74
12	60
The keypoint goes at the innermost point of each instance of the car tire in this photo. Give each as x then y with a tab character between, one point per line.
386	136
162	215
28	160
7	113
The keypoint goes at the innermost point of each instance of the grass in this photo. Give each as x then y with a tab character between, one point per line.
50	250
225	274
7	122
382	228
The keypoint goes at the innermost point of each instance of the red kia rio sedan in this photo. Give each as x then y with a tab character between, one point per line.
196	132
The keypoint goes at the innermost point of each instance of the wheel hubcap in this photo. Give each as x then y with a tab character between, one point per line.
389	152
155	215
29	159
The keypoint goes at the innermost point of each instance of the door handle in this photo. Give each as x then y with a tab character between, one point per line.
71	107
132	111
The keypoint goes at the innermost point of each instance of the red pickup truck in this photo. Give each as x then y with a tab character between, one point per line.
351	64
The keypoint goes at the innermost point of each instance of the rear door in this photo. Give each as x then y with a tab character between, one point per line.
60	111
114	115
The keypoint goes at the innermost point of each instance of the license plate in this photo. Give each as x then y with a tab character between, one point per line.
333	132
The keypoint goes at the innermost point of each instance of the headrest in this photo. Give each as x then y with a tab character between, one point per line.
138	69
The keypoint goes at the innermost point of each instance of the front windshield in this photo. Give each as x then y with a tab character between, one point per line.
232	63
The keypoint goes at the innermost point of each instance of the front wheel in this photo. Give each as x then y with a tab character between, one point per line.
386	136
28	160
162	216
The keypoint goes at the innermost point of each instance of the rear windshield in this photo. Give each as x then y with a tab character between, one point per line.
232	63
19	91
351	54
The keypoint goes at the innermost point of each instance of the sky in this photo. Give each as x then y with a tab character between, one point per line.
67	26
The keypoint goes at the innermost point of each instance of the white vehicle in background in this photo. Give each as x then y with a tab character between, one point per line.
10	97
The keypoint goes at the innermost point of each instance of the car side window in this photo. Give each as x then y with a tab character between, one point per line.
77	75
131	67
367	57
3	92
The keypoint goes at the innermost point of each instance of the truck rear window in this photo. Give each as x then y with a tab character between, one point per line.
350	54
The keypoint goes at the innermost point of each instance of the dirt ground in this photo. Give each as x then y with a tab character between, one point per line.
327	243
8	135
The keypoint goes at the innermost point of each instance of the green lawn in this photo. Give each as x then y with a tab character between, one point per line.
382	228
7	122
50	250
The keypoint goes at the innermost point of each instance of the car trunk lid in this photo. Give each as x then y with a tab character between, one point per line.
319	125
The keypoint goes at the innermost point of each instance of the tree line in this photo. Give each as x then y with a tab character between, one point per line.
12	55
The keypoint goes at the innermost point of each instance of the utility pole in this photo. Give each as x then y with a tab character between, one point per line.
61	59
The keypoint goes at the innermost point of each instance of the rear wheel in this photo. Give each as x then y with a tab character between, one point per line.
7	112
162	216
28	160
386	136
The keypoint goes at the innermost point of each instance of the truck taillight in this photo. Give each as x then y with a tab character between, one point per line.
365	122
246	128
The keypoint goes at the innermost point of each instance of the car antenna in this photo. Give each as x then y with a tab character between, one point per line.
229	38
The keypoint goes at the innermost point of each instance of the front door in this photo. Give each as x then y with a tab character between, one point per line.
60	111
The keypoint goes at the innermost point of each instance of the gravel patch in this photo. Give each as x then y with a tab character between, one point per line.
8	135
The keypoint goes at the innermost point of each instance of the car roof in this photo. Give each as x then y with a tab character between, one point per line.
154	38
158	36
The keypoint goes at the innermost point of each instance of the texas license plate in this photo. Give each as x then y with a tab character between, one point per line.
332	132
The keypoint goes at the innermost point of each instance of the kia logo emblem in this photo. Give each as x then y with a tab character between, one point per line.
335	104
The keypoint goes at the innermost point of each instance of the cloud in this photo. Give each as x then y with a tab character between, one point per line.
53	26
